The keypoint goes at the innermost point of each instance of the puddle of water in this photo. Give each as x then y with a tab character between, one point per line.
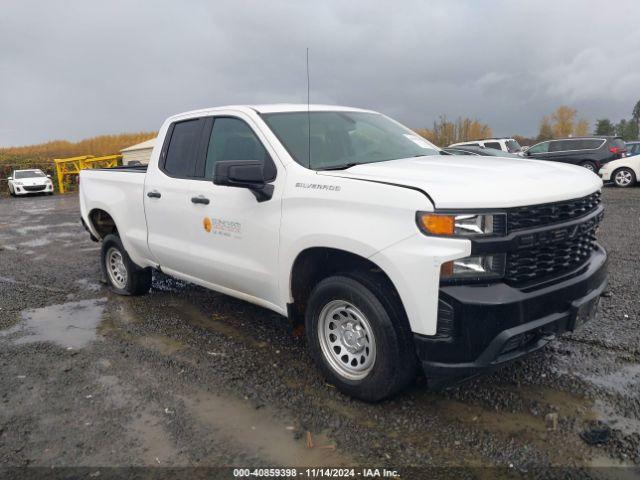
36	242
39	228
70	324
620	381
88	285
157	449
161	344
607	414
260	434
215	323
609	468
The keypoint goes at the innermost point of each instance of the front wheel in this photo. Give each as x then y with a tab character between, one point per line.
589	166
124	276
359	338
624	178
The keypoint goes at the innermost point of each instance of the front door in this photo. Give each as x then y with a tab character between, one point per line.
235	236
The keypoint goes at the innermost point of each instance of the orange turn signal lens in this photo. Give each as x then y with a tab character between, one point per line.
437	224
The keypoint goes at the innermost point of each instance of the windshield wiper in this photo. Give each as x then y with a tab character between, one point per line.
340	167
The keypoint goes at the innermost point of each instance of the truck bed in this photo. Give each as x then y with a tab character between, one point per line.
122	196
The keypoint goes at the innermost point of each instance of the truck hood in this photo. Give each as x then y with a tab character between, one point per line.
464	181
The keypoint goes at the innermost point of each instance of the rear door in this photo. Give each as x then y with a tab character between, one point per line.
236	237
167	195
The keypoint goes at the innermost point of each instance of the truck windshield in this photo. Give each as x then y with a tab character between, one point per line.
341	140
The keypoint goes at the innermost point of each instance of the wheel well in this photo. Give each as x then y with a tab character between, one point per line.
314	264
623	168
102	223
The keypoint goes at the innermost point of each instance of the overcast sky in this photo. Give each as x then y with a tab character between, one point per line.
74	69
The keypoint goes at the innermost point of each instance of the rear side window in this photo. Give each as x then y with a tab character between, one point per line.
180	160
591	144
232	139
495	145
577	144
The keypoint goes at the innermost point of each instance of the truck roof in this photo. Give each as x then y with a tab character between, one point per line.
271	108
302	107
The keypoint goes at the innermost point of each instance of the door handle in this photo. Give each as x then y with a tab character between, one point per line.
154	194
200	199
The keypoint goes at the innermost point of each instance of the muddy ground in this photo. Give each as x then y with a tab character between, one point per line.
185	376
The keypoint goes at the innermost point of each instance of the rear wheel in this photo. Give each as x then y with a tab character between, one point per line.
124	276
589	166
359	337
624	177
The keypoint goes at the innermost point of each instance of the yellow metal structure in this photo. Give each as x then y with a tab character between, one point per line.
67	167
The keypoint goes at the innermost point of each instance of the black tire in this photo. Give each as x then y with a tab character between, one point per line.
395	359
590	166
137	280
624	181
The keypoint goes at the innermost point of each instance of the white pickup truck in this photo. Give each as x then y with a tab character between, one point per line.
393	254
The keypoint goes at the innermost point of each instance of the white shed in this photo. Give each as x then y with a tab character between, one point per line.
140	152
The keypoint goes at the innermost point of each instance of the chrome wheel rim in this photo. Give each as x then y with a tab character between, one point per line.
116	268
589	167
346	340
623	178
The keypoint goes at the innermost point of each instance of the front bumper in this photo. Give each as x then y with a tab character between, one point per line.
496	323
32	189
605	175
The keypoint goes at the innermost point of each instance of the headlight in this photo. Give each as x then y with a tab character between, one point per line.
460	225
17	183
476	267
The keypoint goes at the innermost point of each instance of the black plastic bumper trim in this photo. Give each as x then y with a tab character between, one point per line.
488	317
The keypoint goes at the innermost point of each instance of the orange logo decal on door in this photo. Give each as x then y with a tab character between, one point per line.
206	223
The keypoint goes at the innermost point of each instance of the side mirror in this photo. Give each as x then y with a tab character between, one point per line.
243	174
9	178
48	176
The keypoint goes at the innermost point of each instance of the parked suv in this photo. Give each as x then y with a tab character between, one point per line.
588	152
505	144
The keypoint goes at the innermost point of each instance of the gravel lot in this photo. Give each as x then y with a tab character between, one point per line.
184	376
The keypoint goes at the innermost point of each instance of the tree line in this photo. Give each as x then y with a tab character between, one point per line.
46	152
562	123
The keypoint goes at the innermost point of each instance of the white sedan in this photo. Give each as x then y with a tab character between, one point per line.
623	172
23	182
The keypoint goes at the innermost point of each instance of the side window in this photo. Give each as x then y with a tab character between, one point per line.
180	159
592	144
540	148
558	146
495	145
232	139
